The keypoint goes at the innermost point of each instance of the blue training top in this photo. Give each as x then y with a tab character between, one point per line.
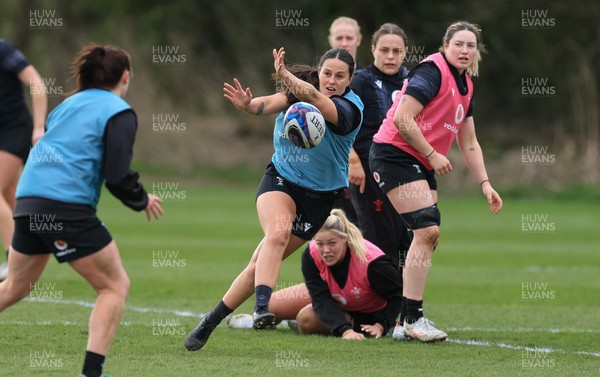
66	163
321	168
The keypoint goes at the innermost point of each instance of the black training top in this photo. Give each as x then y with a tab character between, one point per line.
13	108
376	90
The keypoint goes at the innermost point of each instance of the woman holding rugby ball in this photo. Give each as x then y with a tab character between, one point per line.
295	195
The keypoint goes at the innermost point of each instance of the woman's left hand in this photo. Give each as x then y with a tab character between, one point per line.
375	330
493	198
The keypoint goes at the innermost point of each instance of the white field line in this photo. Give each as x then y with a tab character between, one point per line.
524	348
522	329
185	313
179	313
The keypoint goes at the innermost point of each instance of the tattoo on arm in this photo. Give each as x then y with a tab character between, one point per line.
471	149
260	109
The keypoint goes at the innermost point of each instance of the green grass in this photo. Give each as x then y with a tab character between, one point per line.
482	270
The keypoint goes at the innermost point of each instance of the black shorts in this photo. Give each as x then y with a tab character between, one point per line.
66	239
312	207
393	167
16	139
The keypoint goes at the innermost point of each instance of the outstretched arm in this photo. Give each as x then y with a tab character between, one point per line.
243	100
473	155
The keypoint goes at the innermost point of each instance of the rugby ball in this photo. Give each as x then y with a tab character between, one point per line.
304	125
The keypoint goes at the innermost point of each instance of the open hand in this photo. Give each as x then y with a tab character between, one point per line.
279	62
239	97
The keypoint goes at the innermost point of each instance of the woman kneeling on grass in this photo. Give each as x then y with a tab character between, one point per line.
351	287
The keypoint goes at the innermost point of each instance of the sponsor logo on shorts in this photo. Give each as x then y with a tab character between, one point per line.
418	169
307	227
279	181
62	246
377	178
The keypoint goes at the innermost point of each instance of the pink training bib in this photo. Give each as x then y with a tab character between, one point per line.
439	121
357	295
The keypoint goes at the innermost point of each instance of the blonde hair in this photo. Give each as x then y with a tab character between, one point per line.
473	69
345	20
338	223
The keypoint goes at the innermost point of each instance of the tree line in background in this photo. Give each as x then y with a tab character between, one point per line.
538	85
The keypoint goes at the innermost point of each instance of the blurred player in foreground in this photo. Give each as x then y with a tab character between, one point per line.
18	130
88	141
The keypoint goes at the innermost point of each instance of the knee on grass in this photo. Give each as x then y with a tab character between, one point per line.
309	322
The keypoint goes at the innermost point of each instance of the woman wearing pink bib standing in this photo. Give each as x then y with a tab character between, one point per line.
434	107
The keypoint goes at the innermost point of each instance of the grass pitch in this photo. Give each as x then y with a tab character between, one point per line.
517	294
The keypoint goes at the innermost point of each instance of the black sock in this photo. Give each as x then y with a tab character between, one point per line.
92	364
263	296
218	313
403	310
414	310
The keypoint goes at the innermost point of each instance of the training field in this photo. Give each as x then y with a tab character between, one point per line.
518	294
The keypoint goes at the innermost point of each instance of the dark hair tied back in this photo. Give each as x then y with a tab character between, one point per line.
311	74
343	55
99	67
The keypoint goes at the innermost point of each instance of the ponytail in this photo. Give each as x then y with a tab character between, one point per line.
99	67
338	223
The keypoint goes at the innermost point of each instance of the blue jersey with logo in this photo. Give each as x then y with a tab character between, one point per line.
321	168
66	163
